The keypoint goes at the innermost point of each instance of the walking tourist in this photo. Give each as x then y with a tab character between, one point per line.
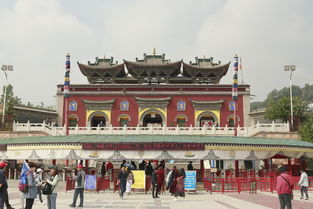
284	188
103	170
3	184
122	177
142	165
6	195
180	187
304	184
160	177
31	193
39	184
129	181
154	181
79	186
134	165
172	180
123	163
53	181
190	166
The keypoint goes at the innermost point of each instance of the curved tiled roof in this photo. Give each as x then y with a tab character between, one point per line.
210	140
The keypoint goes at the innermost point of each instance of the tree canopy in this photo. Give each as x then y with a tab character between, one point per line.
306	129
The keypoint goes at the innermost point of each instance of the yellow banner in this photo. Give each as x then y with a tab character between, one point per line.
140	180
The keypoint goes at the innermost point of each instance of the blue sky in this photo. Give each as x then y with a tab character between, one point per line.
36	35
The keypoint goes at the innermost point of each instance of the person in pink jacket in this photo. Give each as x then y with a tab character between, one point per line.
284	188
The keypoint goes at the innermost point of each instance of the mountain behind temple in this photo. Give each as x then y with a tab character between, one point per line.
306	93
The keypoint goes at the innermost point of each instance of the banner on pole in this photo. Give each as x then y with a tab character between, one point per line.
140	179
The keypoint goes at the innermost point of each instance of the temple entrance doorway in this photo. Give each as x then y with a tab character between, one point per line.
152	119
207	121
98	120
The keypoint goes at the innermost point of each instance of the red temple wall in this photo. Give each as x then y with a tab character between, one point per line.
171	110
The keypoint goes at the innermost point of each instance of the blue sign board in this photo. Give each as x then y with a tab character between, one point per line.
90	183
191	180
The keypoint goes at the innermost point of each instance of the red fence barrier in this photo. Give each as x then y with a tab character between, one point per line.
251	185
103	183
70	184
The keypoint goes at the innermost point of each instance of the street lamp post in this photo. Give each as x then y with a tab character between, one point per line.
5	68
290	68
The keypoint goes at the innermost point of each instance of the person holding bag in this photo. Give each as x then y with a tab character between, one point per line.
31	193
50	188
284	188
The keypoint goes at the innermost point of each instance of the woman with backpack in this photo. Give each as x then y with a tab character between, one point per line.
53	182
32	188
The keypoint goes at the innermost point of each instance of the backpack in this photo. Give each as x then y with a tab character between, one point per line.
48	188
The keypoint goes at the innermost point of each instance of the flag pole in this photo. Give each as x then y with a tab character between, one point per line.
235	93
67	91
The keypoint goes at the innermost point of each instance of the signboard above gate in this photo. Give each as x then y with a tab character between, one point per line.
143	146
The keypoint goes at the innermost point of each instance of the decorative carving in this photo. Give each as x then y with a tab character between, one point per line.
252	156
34	155
211	156
52	154
116	156
164	156
4	155
72	156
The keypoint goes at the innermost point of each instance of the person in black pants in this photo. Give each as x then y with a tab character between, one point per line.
6	200
154	181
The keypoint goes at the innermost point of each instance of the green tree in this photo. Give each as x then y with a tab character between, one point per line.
10	99
280	109
306	129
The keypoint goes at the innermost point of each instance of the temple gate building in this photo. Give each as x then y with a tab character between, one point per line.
153	92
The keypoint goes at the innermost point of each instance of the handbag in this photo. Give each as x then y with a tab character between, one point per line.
289	186
47	188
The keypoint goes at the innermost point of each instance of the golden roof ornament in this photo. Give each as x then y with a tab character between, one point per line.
154	51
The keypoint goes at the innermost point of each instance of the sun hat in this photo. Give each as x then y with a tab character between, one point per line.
39	170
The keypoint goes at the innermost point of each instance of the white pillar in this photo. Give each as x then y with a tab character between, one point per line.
28	126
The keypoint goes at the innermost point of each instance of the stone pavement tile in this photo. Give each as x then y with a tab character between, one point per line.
270	200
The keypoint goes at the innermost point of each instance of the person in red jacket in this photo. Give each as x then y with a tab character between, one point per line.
284	188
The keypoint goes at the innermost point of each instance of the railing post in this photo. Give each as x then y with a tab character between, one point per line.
124	129
176	131
203	130
190	129
55	131
238	130
13	127
43	126
64	130
164	129
258	126
28	126
76	129
151	130
111	129
226	130
89	130
273	126
137	129
98	129
287	126
213	129
246	131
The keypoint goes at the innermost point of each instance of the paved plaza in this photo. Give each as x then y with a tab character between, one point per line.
201	199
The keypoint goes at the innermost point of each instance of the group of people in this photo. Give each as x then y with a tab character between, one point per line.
35	185
285	187
156	173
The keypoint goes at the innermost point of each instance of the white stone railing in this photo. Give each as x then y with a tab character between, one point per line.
217	131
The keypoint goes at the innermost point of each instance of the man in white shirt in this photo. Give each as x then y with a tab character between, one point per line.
304	184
